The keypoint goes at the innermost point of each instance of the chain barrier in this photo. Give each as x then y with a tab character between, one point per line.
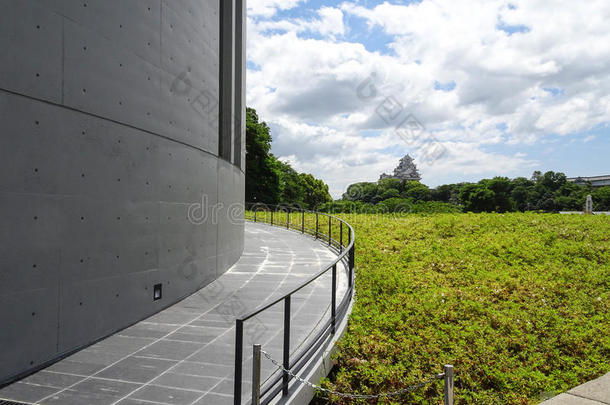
353	396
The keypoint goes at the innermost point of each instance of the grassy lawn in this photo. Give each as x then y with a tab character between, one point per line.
518	303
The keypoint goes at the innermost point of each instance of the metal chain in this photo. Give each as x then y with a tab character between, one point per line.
353	396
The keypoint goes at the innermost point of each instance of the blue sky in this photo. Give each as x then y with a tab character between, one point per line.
491	83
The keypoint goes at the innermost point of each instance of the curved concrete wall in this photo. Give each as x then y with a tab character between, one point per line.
109	117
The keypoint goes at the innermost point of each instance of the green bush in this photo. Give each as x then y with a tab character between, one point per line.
518	303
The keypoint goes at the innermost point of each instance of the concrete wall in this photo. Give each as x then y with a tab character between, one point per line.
109	120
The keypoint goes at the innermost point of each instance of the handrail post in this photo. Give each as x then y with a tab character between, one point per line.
288	219
340	236
239	342
351	263
256	374
448	374
286	359
303	221
333	306
316	225
330	227
271	217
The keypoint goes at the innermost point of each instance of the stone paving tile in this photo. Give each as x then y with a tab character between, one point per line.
225	387
598	389
22	392
101	357
215	399
129	401
191	337
68	366
214	353
147	330
92	391
203	369
189	382
567	399
53	380
166	395
136	369
171	350
185	353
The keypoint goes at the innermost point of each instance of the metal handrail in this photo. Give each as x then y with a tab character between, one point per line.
345	255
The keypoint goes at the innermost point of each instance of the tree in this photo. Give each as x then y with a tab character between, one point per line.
315	191
601	199
500	186
364	191
262	174
520	191
416	191
270	181
547	192
389	184
389	193
552	181
477	198
292	191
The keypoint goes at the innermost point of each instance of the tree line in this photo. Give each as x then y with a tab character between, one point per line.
549	192
271	181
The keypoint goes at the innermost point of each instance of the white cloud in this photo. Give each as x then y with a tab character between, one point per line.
521	73
589	138
268	8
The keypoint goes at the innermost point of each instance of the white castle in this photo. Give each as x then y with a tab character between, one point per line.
406	170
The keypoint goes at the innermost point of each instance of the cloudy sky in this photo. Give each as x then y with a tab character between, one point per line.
470	88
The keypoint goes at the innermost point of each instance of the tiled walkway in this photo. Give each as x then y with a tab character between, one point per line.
596	392
184	355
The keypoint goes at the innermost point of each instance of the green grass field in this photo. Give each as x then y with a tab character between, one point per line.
518	303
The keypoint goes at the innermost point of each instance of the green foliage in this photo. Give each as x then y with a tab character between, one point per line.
477	198
291	189
434	207
390	193
518	303
549	192
262	176
271	181
315	192
415	190
601	199
364	192
394	205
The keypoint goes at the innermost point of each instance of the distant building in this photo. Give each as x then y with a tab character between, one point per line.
596	181
406	170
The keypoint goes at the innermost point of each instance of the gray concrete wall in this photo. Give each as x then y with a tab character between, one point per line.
109	120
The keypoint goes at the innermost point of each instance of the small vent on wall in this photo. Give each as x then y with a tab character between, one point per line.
157	292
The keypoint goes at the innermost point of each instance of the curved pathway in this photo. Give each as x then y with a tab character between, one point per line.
184	355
